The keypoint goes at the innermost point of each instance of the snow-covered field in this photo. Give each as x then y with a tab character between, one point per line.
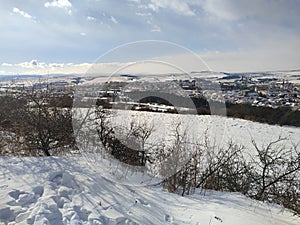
82	189
220	130
67	190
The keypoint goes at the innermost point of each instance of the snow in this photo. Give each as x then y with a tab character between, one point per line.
68	190
220	130
92	188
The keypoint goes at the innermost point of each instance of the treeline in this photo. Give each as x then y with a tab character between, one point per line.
280	116
262	114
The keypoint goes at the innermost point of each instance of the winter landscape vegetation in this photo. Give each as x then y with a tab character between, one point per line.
199	126
106	155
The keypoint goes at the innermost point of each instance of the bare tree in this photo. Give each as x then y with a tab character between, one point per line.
46	127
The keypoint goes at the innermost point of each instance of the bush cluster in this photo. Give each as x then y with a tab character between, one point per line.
36	124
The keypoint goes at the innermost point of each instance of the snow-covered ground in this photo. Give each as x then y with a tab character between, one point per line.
84	189
220	130
67	190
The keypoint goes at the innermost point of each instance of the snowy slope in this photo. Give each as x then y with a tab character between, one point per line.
67	190
220	130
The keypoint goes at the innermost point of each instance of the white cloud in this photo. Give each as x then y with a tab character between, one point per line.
135	1
7	64
31	64
263	10
42	68
55	65
156	29
143	14
22	13
178	6
82	34
90	18
59	3
114	20
63	4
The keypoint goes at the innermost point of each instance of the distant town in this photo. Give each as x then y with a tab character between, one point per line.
269	92
254	90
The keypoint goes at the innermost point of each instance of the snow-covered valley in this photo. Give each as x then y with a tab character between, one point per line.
67	190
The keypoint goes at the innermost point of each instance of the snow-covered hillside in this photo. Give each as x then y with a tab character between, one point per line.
220	130
84	188
67	190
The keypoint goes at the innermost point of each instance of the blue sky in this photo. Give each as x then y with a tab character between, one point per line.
230	35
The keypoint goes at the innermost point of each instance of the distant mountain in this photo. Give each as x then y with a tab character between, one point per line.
14	77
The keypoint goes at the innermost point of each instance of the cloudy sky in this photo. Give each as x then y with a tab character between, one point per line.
67	36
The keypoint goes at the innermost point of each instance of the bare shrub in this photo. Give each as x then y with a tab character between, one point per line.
272	174
275	174
130	147
179	163
224	168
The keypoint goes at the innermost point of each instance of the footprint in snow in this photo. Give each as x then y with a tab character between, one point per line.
6	215
15	194
124	220
169	218
143	202
21	198
3	186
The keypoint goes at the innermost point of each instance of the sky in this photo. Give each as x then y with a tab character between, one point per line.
69	36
